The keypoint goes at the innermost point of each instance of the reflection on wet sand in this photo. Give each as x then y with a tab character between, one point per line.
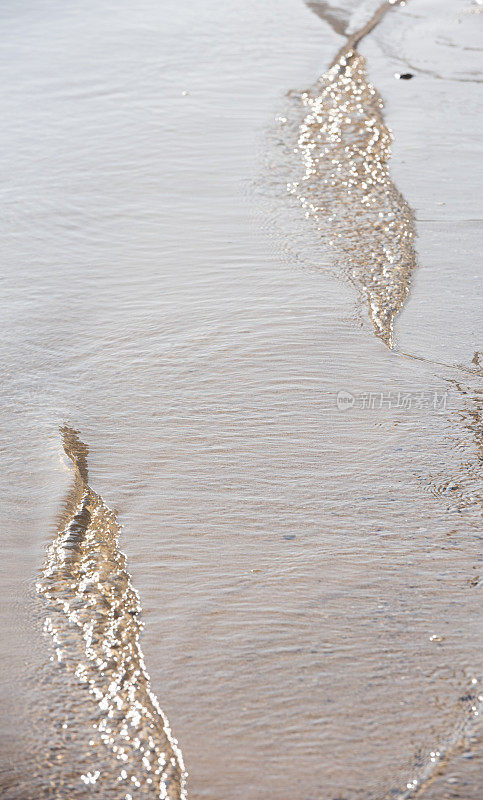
346	189
92	616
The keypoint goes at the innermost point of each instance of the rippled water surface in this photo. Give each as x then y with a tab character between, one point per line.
241	401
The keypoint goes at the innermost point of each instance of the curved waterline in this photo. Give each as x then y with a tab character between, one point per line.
345	186
92	617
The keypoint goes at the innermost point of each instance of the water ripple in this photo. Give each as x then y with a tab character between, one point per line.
346	189
92	618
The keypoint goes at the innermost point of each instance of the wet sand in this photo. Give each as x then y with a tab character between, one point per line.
301	504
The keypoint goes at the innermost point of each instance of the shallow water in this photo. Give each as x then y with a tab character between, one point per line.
308	562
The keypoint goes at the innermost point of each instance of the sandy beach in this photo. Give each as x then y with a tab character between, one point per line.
242	401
